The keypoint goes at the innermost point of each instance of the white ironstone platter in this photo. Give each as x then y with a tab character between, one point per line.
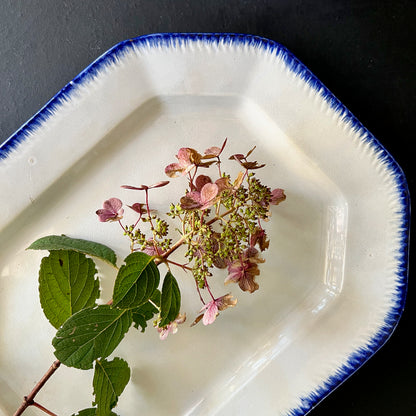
334	282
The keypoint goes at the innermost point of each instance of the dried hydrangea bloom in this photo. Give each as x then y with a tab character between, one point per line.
138	207
112	210
242	160
146	187
203	197
260	238
212	308
171	328
244	270
187	159
278	195
215	151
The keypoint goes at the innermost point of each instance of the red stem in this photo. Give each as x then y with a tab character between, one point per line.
29	400
44	409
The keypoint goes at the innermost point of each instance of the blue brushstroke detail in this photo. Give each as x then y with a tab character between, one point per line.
173	40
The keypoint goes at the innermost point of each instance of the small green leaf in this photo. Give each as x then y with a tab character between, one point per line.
62	242
91	412
91	334
66	285
136	281
110	379
170	302
146	311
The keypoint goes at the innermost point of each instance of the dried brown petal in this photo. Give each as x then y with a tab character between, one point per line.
158	184
138	207
135	188
202	180
174	170
278	196
197	319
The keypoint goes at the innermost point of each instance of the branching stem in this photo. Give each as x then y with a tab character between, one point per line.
30	399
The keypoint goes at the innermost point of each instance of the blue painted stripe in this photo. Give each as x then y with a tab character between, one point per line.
361	355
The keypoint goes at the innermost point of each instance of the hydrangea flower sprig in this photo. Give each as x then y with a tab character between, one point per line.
218	220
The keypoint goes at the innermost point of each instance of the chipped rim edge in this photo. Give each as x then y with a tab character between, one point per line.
392	317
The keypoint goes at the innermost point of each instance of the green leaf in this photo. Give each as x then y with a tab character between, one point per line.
110	379
146	311
62	242
86	412
91	412
91	334
66	285
170	302
136	281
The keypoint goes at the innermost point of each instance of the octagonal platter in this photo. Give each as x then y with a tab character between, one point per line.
333	285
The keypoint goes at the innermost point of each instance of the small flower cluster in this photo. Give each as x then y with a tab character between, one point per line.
220	225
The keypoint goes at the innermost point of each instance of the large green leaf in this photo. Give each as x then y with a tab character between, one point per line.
136	281
147	311
170	302
62	242
110	379
91	334
86	412
66	285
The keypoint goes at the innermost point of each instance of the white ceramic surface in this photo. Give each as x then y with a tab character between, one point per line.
334	282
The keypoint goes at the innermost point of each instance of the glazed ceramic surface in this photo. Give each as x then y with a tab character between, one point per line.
333	285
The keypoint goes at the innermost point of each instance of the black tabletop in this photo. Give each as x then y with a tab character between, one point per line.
363	51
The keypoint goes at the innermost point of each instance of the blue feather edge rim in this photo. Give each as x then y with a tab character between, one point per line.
360	356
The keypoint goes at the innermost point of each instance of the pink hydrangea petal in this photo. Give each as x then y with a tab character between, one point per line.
213	151
202	180
113	204
210	313
184	156
208	192
138	207
192	200
164	332
105	215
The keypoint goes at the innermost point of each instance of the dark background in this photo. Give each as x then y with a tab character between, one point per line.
363	51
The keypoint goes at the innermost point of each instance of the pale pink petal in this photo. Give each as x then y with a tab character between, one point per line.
181	318
184	156
208	192
173	327
112	210
213	151
210	313
164	332
113	204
